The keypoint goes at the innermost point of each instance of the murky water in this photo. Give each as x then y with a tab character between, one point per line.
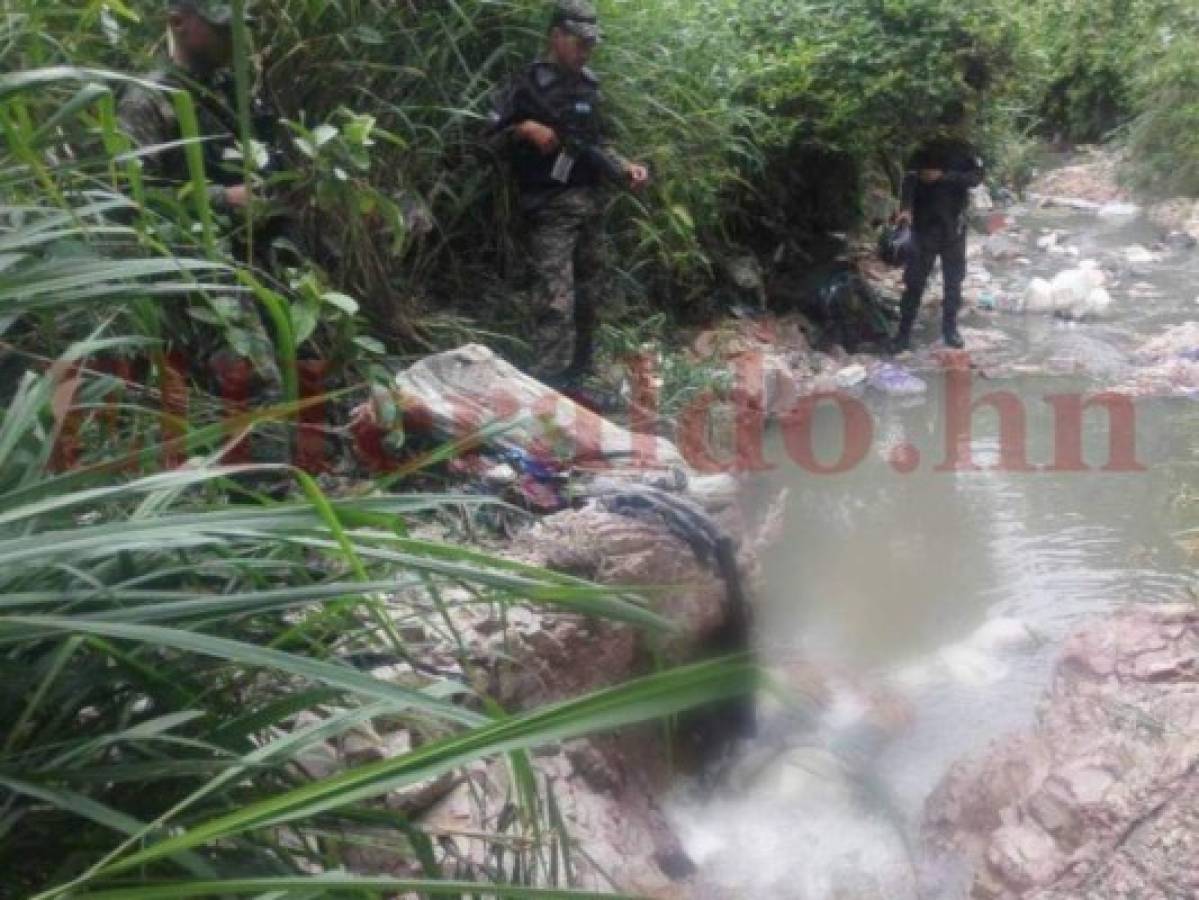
932	604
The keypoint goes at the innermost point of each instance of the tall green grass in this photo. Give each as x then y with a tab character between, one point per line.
385	107
158	642
1123	71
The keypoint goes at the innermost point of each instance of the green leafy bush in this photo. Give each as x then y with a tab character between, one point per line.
1164	136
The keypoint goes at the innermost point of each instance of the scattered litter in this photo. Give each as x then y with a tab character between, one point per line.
1000	247
851	376
896	381
980	199
1097	304
1038	297
1071	203
1119	211
530	466
1078	293
1138	255
500	476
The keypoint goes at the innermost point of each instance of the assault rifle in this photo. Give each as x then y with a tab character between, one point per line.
574	145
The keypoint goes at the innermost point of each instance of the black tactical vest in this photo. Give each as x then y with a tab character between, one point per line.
568	103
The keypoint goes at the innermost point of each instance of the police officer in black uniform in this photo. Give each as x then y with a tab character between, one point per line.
934	202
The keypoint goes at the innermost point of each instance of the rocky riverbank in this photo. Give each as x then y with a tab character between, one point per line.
1030	815
1098	799
1101	798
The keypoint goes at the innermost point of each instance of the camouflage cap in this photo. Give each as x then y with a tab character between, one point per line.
578	17
212	11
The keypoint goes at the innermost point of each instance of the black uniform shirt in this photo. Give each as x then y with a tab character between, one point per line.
940	207
571	105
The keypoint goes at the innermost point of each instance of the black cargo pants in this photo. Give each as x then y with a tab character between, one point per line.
927	247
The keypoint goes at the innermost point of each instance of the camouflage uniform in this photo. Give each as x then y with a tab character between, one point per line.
567	253
148	117
562	199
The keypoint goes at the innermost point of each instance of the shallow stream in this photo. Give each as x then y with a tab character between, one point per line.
927	607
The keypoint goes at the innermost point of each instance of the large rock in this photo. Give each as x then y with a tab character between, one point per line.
1099	800
460	392
1175	341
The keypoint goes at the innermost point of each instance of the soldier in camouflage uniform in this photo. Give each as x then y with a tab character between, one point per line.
201	52
551	114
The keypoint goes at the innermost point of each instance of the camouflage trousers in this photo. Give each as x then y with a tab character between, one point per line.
568	255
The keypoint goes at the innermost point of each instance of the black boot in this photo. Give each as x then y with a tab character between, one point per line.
949	323
583	364
902	342
581	367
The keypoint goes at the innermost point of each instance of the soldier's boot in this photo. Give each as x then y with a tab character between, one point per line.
949	320
583	363
573	381
554	343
